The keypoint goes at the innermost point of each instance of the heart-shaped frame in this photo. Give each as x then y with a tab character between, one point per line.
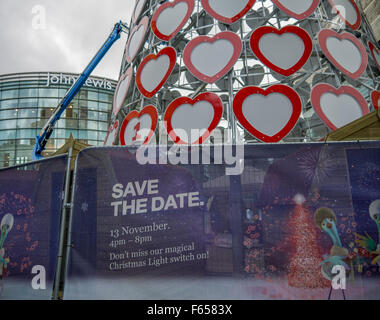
167	51
113	128
287	91
227	20
138	10
295	15
161	9
142	24
299	32
233	38
148	110
320	89
127	76
357	23
212	98
373	49
323	37
375	99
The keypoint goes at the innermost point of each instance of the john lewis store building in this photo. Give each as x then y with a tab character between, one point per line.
27	101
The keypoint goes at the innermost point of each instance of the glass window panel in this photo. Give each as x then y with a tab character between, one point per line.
8	114
102	136
7	134
103	116
83	134
104	106
83	104
30	92
104	97
8	104
83	94
83	113
10	94
103	126
26	123
25	103
92	115
48	92
71	123
92	125
26	133
47	103
8	124
27	113
93	135
92	95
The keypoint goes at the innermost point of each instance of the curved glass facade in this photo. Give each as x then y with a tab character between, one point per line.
27	101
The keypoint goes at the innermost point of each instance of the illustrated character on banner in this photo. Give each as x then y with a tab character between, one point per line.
5	228
367	246
326	220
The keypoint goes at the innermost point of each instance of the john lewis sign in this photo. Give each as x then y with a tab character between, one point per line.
62	79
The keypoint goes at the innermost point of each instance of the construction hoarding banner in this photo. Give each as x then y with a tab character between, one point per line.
189	231
30	211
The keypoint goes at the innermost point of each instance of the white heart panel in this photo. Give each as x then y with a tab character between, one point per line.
228	8
341	109
171	18
130	132
154	71
283	50
135	41
267	113
345	53
139	6
296	6
122	91
346	9
187	117
211	58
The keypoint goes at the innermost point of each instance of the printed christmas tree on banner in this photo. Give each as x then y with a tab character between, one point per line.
304	269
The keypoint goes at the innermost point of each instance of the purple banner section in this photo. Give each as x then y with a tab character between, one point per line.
296	223
30	210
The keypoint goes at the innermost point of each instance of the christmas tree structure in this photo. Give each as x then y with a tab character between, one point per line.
304	269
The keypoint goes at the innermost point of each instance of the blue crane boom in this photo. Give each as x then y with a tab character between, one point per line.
47	130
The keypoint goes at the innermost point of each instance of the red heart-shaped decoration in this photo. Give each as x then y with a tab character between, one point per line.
110	139
375	52
170	17
375	98
136	39
227	11
338	107
139	6
191	113
209	59
284	55
268	114
300	10
354	25
154	70
130	135
122	90
340	50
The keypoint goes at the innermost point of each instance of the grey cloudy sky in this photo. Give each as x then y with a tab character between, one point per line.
75	30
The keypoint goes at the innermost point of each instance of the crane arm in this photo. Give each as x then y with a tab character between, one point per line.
47	130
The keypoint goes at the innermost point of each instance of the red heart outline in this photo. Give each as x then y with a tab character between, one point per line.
323	36
149	110
143	23
372	49
375	99
128	74
211	12
112	128
233	38
212	98
287	91
301	33
134	15
358	22
322	88
172	54
297	16
190	8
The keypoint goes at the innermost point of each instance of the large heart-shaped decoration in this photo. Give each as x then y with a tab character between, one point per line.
170	17
139	6
136	39
154	70
138	127
269	115
121	90
191	121
111	134
375	98
209	59
375	52
283	50
338	107
227	11
348	11
344	51
296	8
